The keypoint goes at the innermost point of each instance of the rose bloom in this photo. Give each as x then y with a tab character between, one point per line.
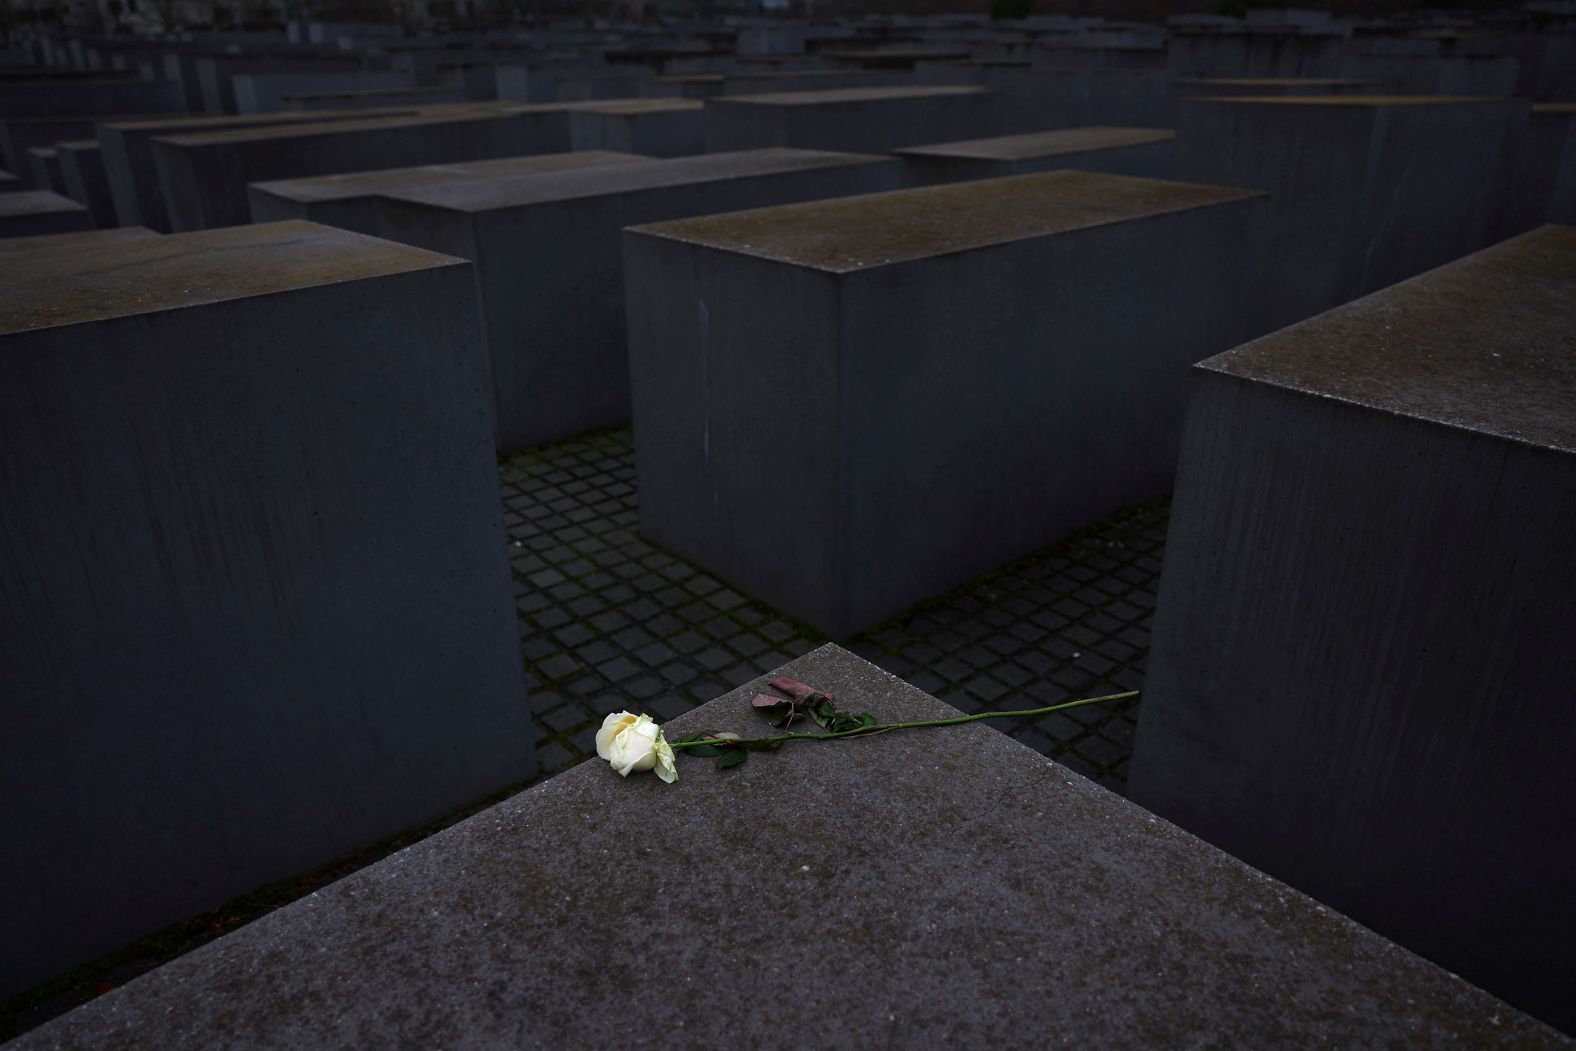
634	742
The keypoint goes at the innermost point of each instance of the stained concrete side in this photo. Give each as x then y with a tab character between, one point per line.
256	612
1362	656
940	887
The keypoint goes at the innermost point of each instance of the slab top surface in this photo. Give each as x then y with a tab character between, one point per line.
35	202
635	107
538	188
82	240
296	129
1487	344
945	887
390	180
1272	82
1357	101
832	96
65	286
846	234
1042	143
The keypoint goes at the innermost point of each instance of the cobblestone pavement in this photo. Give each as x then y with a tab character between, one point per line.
609	621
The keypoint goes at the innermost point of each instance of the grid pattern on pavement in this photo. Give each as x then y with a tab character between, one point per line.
609	621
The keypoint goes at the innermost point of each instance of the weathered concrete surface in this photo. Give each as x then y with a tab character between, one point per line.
29	213
854	120
255	612
848	406
555	316
86	240
204	175
350	200
1361	667
939	887
1368	190
1145	152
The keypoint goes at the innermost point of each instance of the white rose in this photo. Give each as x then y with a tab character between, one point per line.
634	742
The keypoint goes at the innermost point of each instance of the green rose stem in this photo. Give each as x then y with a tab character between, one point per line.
866	731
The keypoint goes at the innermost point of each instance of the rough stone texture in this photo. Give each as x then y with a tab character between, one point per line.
555	319
849	405
940	886
856	120
29	213
253	609
350	200
1146	152
1363	655
1367	190
204	175
82	171
86	240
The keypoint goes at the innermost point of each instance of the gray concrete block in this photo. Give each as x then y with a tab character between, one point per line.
10	183
377	98
650	127
1183	88
351	201
846	407
61	97
133	175
44	164
256	612
1368	190
29	213
87	183
1545	182
555	316
204	175
264	92
1361	662
951	888
856	120
1145	152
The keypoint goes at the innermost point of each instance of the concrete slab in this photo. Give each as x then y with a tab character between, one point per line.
263	92
1361	657
1144	152
962	877
28	213
555	318
856	120
204	175
1545	181
87	183
845	407
133	175
650	127
44	164
302	639
1368	190
10	183
350	201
